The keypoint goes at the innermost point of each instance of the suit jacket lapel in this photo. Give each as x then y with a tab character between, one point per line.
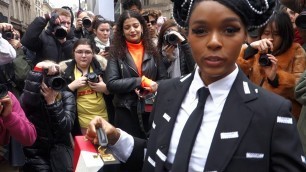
232	125
172	106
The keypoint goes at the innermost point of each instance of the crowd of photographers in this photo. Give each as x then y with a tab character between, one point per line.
65	70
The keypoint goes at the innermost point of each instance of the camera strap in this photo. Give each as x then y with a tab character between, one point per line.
262	81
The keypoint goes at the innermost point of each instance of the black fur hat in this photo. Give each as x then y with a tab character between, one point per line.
254	13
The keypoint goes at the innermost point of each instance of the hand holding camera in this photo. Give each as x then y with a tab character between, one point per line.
263	45
48	93
96	83
103	53
77	83
270	70
173	37
52	78
7	31
5	102
60	32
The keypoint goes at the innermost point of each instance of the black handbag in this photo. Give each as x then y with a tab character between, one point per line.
144	105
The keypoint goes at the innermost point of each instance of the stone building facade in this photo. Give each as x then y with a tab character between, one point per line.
20	13
165	6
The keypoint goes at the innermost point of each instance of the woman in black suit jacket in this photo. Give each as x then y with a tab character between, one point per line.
244	128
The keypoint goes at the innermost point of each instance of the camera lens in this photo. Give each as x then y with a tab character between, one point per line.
264	60
8	35
3	90
171	38
55	82
93	77
86	22
60	32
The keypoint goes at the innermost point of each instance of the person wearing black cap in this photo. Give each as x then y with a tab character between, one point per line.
244	127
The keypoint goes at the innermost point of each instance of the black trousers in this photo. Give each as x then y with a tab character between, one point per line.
128	121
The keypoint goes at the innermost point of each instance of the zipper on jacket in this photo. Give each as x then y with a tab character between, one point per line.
133	69
121	66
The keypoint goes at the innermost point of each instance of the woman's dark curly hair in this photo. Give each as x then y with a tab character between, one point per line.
118	47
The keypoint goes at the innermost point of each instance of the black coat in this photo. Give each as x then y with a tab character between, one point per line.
122	77
68	75
43	42
53	122
262	120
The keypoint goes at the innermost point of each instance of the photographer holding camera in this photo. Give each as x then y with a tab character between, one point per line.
280	69
84	77
14	73
7	52
52	43
175	50
52	111
83	26
102	30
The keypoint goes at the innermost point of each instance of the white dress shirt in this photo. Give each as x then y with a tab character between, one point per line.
212	112
214	105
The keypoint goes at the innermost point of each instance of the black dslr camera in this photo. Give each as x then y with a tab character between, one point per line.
8	35
3	90
59	32
56	82
171	38
264	59
92	77
86	22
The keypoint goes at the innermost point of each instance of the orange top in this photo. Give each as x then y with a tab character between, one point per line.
136	51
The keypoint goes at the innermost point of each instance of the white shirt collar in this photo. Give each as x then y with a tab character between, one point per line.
218	89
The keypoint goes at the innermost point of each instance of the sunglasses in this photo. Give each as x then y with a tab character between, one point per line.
153	22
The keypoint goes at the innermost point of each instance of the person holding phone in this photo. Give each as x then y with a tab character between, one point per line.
102	30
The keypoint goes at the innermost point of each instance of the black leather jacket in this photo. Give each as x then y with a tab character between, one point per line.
122	78
53	122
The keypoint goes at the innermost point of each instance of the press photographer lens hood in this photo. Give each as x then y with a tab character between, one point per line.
86	22
59	32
